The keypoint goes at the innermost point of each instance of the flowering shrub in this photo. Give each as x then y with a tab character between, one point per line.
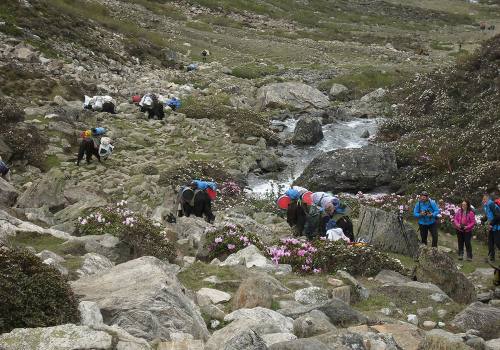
230	188
140	234
229	239
326	256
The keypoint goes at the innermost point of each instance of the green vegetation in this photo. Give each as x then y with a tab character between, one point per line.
202	26
33	294
192	277
437	45
253	71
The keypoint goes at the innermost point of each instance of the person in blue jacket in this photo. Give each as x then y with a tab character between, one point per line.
492	217
426	211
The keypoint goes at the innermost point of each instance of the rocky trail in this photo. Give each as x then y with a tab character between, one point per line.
293	92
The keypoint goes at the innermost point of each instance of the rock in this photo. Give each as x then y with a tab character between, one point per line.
439	297
391	277
407	336
60	100
442	313
311	295
90	314
439	268
215	296
290	94
426	311
429	325
8	194
311	324
335	282
246	340
343	293
5	150
484	318
182	345
413	319
106	245
250	257
49	261
46	254
271	164
359	291
214	324
493	344
442	340
338	89
93	264
300	344
476	343
355	169
257	291
24	53
307	132
126	107
383	230
275	338
65	337
337	311
213	312
135	295
365	134
374	95
46	191
260	314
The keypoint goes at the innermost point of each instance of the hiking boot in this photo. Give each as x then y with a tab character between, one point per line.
460	257
469	258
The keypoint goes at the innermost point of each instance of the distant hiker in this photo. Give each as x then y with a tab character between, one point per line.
4	170
205	53
151	105
296	209
491	210
100	104
136	99
464	222
87	148
192	67
196	198
174	103
482	25
105	148
491	27
426	211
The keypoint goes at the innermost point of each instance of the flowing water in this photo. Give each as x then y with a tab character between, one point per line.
341	134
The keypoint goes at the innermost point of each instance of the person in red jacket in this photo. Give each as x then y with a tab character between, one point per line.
464	222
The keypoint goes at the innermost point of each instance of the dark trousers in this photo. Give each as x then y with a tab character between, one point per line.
202	207
87	148
424	232
493	240
464	238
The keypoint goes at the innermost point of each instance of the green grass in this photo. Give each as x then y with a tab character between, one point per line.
160	8
437	45
198	25
192	277
253	71
51	162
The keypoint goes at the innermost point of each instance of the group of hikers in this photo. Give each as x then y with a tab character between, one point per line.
196	199
317	214
464	221
94	143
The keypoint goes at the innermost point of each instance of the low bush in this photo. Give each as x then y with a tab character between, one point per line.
33	294
253	71
326	256
230	239
140	234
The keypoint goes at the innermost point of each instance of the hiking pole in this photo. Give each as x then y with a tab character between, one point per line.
402	229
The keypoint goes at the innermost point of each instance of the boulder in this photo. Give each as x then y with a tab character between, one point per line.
354	169
360	292
46	191
337	90
5	150
181	345
257	291
300	344
93	264
249	257
311	324
384	230
144	297
374	95
260	314
307	132
106	245
406	335
274	338
493	344
439	268
442	340
481	317
246	340
213	295
311	295
290	94
65	337
338	312
90	314
8	194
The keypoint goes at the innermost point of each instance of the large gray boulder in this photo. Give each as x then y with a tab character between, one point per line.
8	194
290	94
481	317
46	191
440	339
93	264
308	131
311	324
300	344
338	90
439	268
65	337
256	291
386	232
246	340
348	170
144	297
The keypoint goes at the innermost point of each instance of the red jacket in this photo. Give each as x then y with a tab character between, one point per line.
467	219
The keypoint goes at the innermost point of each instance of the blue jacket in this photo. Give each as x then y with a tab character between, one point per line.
293	194
431	206
488	211
203	185
4	169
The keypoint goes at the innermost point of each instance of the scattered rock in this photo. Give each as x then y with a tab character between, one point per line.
360	292
365	134
250	257
8	194
493	344
90	314
290	94
257	291
407	336
46	191
374	95
307	132
215	296
259	314
311	295
429	325
311	324
484	318
275	338
93	264
300	344
343	293
440	339
337	90
246	340
413	319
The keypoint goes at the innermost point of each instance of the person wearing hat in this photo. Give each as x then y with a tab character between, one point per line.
426	211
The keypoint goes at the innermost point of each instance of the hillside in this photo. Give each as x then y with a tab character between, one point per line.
446	127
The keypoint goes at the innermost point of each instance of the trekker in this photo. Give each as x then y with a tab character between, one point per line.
196	198
88	148
205	53
151	105
4	170
426	211
100	104
297	208
492	218
464	222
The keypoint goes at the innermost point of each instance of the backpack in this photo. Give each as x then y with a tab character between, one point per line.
313	220
495	209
